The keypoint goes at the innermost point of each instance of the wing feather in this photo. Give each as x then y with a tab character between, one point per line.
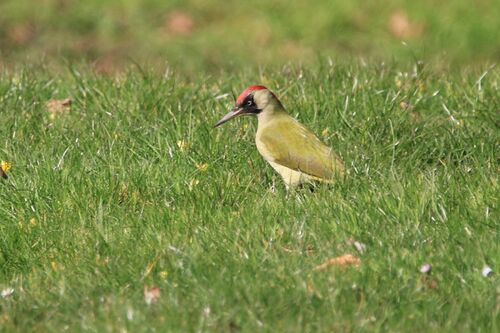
292	145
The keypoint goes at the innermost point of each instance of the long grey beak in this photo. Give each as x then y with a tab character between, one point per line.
236	111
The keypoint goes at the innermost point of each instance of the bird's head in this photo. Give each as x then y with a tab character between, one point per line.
252	101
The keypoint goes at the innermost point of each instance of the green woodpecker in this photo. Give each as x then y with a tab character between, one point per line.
291	149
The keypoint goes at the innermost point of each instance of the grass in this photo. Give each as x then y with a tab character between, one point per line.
112	196
204	35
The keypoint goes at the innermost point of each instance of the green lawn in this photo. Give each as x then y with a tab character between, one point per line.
113	195
210	35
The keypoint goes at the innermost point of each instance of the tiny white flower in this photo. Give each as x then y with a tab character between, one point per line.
425	268
359	246
7	292
487	271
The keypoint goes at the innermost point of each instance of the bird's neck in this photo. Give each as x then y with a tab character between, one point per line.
271	112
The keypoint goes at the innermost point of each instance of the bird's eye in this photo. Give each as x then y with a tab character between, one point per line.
250	102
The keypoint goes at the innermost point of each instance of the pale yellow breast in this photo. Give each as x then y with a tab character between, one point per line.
290	177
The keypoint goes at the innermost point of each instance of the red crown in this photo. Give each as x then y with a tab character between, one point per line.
247	91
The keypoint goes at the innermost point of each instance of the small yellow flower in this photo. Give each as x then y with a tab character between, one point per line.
398	81
33	221
202	167
325	132
244	127
54	265
163	274
5	166
183	145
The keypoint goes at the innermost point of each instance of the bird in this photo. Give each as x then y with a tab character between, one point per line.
295	152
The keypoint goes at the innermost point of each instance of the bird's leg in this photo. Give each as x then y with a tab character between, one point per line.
308	185
273	186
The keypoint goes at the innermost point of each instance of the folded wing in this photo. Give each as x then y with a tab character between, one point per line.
290	144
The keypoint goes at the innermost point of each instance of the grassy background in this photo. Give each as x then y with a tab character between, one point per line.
103	200
131	187
209	35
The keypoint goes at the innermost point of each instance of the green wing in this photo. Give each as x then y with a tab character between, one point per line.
290	144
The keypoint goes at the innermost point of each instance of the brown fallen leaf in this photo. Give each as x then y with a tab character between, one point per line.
179	23
151	294
57	106
401	27
344	260
431	283
22	33
405	106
